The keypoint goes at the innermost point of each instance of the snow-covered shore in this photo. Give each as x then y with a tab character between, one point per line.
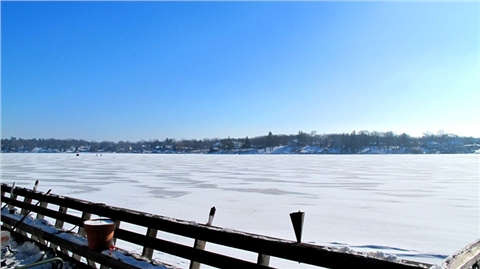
333	150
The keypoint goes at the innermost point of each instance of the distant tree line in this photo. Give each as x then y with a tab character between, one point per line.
348	142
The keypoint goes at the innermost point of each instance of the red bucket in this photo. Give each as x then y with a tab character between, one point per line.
99	233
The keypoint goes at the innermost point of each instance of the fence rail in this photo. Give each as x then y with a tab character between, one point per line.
264	246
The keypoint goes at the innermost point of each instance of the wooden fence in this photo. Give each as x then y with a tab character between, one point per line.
59	207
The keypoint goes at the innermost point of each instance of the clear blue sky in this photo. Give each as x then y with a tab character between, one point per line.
193	70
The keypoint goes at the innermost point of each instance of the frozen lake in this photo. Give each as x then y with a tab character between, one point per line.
422	205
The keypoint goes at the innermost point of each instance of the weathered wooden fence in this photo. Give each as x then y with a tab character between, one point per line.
58	208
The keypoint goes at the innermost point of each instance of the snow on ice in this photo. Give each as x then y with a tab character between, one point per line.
413	207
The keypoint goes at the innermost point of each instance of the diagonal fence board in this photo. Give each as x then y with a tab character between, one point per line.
465	258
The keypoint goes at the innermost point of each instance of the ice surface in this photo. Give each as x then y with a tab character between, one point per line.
417	207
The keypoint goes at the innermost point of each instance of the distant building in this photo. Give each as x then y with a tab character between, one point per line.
432	145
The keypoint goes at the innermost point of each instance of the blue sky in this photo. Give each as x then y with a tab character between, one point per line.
193	70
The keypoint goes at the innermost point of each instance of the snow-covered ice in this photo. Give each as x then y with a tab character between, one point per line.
414	207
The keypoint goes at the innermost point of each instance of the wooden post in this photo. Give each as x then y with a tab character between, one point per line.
148	252
59	225
85	216
263	259
28	200
201	244
117	225
81	232
3	195
40	216
11	197
24	211
43	205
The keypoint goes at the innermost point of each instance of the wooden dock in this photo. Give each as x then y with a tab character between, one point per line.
73	211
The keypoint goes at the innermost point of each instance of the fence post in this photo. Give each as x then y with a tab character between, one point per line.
85	216
27	200
13	197
81	232
40	216
43	205
59	224
199	244
117	225
24	211
263	259
148	252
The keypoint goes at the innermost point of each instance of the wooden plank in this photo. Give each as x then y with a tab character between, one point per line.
465	258
200	244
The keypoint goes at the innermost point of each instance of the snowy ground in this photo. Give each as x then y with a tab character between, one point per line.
21	254
414	206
